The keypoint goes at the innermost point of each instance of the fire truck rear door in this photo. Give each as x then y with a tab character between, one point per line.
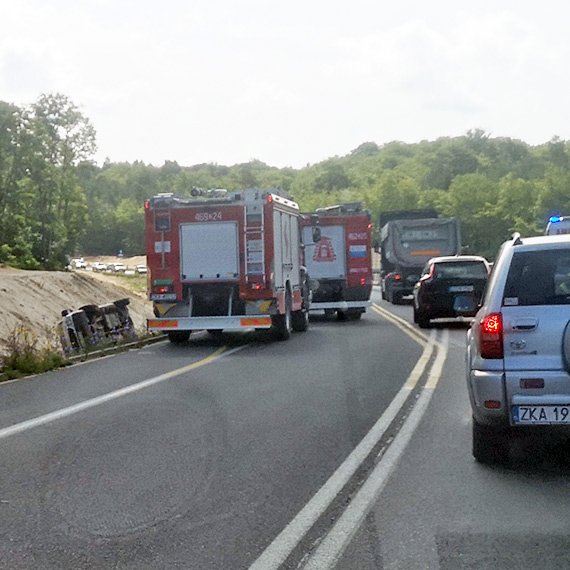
327	258
209	251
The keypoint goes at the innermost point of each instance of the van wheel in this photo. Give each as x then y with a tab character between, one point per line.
282	324
178	337
490	444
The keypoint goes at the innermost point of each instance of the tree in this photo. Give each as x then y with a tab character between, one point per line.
61	136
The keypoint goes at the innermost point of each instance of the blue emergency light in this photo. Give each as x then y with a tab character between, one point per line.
555	219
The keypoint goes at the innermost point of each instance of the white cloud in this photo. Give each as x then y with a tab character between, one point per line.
289	82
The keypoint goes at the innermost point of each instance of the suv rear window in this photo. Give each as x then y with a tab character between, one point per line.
460	270
539	278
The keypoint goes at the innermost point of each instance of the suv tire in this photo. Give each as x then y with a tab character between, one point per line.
395	297
421	318
490	444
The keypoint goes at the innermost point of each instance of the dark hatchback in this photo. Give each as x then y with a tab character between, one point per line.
450	287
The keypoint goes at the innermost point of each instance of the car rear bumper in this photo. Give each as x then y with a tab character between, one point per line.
486	389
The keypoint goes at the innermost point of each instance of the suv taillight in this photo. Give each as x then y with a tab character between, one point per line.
491	336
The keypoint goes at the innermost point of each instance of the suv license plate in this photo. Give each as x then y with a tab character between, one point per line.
541	414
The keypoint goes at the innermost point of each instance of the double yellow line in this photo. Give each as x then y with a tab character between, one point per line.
402	324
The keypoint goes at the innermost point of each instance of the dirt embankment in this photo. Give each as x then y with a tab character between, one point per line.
35	299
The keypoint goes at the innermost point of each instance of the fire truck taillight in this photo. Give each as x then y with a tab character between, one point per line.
146	205
161	286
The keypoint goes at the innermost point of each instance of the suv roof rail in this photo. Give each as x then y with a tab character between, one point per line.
516	237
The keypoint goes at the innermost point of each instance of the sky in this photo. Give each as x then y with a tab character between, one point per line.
291	82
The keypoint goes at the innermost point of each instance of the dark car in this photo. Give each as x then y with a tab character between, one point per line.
450	287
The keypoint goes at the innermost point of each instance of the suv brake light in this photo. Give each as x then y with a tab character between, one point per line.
491	336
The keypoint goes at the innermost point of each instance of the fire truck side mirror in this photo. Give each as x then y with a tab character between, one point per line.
316	234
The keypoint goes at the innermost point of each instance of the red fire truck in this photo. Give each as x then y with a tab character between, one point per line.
339	264
225	261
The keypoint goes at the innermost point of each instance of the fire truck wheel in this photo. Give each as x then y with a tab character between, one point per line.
300	320
281	324
329	313
341	315
355	314
178	337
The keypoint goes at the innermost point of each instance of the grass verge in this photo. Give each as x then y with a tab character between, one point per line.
23	356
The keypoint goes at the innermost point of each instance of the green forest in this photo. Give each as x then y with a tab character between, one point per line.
56	202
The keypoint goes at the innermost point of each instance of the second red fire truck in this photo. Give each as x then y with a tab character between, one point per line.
339	264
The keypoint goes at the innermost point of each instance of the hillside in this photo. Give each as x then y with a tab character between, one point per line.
35	299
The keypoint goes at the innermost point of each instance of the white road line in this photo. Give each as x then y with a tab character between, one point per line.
335	542
65	412
276	553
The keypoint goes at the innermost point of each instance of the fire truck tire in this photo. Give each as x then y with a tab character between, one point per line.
329	313
300	320
354	314
178	337
341	316
281	324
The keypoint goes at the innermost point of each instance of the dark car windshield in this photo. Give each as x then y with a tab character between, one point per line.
539	278
460	270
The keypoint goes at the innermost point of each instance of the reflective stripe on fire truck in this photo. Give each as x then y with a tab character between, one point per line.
163	308
262	306
162	323
256	321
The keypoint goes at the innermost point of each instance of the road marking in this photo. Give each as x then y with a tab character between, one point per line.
282	546
337	539
65	412
402	324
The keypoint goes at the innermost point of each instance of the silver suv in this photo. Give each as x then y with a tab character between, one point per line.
518	349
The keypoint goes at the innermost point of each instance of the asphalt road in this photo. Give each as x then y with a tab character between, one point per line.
200	468
209	456
440	510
